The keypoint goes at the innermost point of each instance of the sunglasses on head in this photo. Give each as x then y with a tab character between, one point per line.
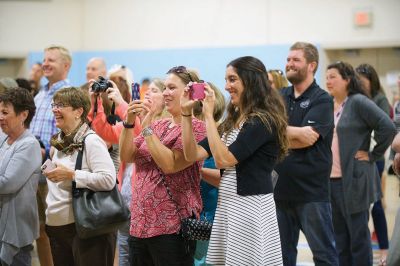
180	70
280	72
363	70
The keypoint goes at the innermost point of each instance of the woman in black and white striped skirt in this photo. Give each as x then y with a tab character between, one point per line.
245	230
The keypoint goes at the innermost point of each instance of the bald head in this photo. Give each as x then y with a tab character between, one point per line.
96	67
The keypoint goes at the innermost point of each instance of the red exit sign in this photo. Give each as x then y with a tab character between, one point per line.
363	18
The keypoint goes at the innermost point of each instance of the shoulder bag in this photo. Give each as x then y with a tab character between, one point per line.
97	212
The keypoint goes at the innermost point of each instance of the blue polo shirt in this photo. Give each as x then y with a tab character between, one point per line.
304	173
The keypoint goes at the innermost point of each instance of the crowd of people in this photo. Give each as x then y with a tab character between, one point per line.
273	159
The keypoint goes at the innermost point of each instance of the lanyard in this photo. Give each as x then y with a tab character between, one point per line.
338	114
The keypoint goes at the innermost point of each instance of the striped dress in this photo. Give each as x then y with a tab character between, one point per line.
245	229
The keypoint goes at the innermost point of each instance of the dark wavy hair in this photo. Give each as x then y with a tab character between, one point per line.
346	71
257	100
21	100
369	72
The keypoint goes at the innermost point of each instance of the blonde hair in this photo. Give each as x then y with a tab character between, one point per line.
65	54
160	84
278	79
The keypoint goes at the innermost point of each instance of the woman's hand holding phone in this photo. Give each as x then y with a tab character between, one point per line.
187	103
58	173
209	102
47	166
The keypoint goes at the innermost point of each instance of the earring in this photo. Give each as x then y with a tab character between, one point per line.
76	117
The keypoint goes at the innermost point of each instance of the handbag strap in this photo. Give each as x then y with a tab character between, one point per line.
78	163
164	182
78	166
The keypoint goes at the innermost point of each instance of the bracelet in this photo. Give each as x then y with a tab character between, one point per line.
126	125
182	114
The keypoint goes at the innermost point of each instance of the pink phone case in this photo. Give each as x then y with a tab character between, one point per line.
197	91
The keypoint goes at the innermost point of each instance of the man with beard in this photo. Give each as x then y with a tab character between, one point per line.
302	190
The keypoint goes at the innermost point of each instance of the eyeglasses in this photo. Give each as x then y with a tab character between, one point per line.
180	70
58	105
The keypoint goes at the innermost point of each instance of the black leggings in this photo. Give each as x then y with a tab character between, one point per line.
379	217
169	250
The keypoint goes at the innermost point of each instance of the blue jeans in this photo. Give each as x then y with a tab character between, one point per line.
314	219
123	246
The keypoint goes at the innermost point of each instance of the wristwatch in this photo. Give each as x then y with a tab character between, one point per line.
147	132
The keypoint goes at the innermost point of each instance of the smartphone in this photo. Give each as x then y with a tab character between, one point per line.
197	91
135	91
48	165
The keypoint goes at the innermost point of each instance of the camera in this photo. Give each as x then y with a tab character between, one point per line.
101	85
197	91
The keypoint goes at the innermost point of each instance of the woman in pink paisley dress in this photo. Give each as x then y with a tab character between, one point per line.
159	159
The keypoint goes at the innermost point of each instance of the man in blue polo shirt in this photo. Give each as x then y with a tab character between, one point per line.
302	190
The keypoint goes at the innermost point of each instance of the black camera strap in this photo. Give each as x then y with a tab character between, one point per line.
112	119
95	108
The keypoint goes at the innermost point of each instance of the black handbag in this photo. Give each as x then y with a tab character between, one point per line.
191	228
195	229
97	212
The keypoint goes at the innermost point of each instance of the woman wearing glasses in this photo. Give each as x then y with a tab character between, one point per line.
166	186
372	86
70	108
246	146
354	178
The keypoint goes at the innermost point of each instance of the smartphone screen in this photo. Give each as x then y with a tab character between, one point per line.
135	91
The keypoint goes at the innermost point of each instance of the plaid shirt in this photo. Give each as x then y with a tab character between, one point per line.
43	124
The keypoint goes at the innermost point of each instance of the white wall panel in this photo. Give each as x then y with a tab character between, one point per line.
153	24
